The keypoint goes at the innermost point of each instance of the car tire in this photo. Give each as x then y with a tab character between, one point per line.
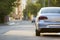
37	33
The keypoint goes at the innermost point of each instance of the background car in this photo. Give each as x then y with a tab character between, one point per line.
48	20
33	19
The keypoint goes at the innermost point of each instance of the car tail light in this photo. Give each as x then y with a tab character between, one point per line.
42	18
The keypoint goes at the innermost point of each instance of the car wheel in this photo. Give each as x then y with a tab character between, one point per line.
37	33
32	21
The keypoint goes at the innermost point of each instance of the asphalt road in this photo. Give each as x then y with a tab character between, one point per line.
21	30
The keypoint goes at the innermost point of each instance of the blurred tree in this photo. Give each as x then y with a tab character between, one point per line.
55	3
58	3
40	2
47	3
6	7
31	8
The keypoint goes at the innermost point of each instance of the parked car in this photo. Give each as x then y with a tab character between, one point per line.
48	20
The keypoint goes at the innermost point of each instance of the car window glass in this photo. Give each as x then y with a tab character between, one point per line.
50	11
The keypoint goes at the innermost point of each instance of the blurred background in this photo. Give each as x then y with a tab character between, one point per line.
23	9
18	14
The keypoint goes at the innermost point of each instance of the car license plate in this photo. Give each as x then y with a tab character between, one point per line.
53	26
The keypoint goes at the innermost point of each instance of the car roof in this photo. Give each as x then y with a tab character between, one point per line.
48	8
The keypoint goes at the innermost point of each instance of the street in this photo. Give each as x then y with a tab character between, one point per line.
21	30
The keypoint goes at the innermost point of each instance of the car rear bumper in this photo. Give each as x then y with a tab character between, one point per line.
48	24
50	30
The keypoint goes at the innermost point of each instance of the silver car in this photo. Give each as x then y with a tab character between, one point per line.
48	20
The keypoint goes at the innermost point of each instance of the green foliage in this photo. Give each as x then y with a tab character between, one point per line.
40	2
58	3
6	7
32	8
55	3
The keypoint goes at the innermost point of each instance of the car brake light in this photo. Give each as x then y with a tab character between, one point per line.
42	18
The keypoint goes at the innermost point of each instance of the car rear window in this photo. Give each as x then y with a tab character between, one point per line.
50	11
